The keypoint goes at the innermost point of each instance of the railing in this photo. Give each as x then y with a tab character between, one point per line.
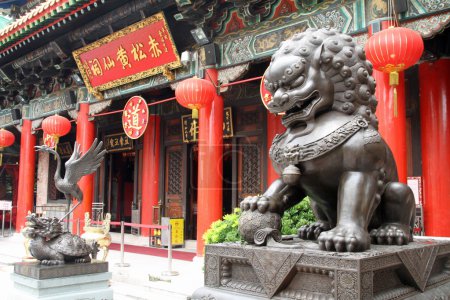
51	210
3	222
6	206
122	224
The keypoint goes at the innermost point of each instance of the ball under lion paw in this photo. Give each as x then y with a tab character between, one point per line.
252	221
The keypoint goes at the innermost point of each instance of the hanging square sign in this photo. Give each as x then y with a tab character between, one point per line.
135	117
135	52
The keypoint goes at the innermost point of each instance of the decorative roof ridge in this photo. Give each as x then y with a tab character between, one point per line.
34	14
45	15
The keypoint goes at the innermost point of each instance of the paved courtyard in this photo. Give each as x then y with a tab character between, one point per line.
141	280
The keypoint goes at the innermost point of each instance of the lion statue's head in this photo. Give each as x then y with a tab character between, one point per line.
317	71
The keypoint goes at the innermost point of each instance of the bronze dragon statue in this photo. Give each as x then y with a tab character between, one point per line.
51	246
331	150
48	243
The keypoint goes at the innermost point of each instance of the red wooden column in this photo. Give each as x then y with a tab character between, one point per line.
435	136
391	121
210	164
274	127
150	171
85	137
392	126
27	166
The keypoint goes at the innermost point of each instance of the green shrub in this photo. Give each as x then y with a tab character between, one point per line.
226	230
297	216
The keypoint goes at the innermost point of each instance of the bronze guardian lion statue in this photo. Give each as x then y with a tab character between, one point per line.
331	150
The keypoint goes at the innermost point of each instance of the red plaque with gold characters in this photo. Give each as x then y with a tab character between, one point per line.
135	52
135	117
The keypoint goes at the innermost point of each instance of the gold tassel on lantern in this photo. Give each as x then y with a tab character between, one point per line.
194	113
393	81
1	156
55	140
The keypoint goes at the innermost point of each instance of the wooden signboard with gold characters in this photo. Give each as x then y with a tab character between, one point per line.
117	142
141	50
190	126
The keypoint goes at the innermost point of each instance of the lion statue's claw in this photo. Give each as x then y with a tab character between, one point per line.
313	230
344	238
390	234
262	204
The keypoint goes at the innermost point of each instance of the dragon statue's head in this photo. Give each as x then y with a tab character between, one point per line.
317	71
47	228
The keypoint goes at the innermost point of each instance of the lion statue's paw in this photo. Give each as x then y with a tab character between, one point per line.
391	234
313	230
263	204
344	238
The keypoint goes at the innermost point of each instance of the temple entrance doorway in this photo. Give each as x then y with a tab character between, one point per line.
120	186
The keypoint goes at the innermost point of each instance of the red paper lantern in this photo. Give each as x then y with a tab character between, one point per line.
6	139
393	50
56	126
195	93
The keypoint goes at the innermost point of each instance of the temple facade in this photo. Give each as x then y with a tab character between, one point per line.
84	59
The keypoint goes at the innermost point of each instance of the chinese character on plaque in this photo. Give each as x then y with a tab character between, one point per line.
135	117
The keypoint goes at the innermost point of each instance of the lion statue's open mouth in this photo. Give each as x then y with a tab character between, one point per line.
301	110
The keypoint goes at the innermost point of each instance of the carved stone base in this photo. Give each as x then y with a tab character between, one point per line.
420	270
38	271
62	282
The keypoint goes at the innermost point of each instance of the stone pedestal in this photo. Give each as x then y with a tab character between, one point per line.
63	282
420	270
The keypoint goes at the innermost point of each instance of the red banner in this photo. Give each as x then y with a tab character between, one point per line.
135	52
135	117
